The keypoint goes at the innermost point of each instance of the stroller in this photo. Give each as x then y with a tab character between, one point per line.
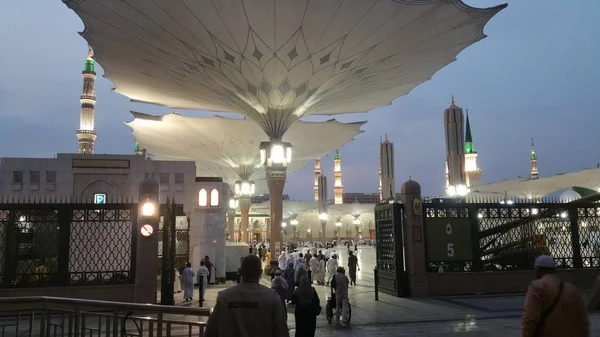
330	306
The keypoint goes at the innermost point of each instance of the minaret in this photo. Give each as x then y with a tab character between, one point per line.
455	150
447	178
317	175
386	155
473	173
338	189
534	167
86	136
380	191
138	149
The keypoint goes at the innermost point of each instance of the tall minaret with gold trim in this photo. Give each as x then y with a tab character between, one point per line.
338	188
534	167
86	136
317	175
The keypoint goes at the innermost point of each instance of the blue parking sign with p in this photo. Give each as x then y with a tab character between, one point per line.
99	198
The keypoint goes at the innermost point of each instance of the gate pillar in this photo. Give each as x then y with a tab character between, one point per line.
414	245
146	242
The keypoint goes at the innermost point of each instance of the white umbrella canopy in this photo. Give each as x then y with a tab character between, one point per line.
226	147
276	61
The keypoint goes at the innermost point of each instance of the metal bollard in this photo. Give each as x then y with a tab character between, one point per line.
201	292
376	276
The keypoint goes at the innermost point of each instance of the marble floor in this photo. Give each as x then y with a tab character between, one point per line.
482	315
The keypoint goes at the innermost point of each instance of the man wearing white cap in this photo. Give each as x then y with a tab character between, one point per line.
553	307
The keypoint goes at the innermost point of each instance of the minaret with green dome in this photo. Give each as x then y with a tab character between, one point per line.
469	148
534	168
86	135
472	172
338	188
138	149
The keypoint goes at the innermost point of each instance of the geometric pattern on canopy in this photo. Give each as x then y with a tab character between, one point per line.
223	147
276	60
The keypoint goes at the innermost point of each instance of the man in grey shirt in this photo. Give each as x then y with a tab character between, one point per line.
248	309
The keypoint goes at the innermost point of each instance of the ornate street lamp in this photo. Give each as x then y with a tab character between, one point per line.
294	224
275	156
356	223
244	189
284	228
338	228
323	217
234	203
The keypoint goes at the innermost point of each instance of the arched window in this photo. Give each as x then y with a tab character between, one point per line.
202	198
214	197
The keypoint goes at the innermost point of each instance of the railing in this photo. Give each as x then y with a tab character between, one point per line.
54	317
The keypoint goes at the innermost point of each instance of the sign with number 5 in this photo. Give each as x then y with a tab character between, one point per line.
448	239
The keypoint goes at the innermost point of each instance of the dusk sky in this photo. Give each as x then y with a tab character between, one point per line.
536	75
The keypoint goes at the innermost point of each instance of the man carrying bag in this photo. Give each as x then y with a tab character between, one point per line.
553	307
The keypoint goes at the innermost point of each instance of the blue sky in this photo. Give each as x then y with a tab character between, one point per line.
536	75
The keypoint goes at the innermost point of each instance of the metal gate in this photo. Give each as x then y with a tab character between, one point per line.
182	238
391	276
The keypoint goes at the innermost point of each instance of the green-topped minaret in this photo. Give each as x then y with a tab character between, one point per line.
469	148
534	168
338	188
472	172
138	149
86	135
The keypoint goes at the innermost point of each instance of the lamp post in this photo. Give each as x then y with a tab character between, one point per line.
244	190
284	230
338	228
356	223
275	157
233	205
323	217
294	224
309	234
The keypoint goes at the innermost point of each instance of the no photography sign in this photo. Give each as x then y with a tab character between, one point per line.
146	230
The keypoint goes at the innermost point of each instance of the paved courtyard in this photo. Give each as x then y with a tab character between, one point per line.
491	315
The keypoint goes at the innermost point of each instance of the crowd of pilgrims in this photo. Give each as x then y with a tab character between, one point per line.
293	275
298	271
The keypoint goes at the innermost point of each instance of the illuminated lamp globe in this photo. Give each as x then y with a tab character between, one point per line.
148	208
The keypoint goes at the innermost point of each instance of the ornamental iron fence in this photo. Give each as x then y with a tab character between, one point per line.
64	242
473	237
